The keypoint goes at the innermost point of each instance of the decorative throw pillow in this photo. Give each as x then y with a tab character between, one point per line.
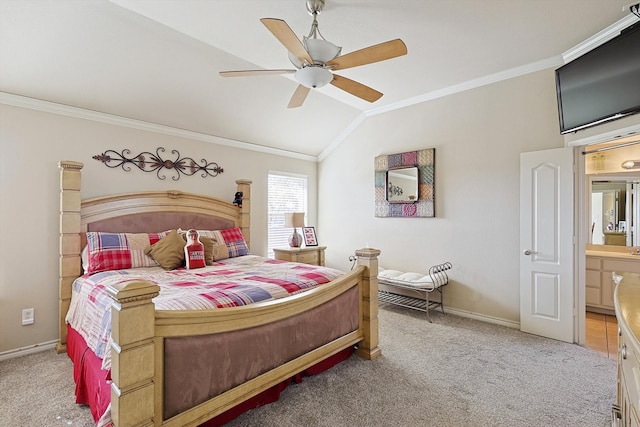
234	242
169	251
208	243
220	250
116	251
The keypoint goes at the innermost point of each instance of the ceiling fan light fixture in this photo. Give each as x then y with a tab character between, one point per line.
313	77
315	59
320	50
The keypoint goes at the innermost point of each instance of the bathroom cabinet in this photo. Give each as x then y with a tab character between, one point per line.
599	280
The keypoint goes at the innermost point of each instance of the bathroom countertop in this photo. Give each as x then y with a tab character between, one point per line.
612	254
608	254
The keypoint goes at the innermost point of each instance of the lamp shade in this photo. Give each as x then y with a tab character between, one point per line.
294	219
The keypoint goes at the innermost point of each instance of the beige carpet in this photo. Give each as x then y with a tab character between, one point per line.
452	372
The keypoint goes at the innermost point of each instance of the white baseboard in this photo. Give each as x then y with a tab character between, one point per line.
10	354
482	317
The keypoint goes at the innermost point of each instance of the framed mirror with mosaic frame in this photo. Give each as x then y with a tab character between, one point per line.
395	177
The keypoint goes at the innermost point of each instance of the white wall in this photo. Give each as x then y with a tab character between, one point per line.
478	136
33	143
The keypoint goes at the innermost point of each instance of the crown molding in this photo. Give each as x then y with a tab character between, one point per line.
471	84
97	116
599	38
441	93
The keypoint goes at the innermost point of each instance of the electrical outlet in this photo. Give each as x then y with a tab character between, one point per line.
28	316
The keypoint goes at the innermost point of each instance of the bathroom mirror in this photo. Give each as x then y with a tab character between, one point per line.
402	185
615	210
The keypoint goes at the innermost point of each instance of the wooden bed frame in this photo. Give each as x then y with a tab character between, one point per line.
139	331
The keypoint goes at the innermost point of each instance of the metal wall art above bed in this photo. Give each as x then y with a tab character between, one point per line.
149	162
405	184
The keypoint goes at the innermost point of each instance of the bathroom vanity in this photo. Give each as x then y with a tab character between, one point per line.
601	262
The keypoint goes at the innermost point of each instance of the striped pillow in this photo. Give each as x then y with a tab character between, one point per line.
116	251
228	243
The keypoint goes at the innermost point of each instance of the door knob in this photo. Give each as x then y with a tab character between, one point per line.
528	252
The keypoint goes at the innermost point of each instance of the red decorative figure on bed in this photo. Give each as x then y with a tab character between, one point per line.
194	250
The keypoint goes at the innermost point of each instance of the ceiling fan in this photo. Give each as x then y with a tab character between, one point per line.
316	58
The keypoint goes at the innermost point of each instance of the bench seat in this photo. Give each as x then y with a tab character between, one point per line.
418	285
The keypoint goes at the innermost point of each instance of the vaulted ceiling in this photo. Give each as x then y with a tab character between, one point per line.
158	61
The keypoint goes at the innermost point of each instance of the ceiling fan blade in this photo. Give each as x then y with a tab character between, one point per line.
368	55
243	73
299	96
355	88
287	37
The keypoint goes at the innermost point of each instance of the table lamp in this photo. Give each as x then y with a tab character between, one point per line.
294	220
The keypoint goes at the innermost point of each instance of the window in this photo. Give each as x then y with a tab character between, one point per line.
285	193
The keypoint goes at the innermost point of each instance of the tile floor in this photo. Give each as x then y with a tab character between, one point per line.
602	333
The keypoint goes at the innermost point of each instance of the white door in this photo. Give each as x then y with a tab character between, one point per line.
546	243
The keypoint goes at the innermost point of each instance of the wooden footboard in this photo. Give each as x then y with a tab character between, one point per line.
137	352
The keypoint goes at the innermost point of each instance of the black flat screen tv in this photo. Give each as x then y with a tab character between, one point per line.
601	85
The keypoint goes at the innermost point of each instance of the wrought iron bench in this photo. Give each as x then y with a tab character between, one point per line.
417	286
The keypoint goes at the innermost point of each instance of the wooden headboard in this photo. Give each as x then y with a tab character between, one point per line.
144	212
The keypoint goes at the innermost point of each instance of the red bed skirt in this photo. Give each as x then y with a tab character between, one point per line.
93	389
91	381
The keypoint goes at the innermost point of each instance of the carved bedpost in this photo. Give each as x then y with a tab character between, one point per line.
69	250
132	353
368	348
244	185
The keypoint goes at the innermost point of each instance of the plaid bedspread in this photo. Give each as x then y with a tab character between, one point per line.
229	283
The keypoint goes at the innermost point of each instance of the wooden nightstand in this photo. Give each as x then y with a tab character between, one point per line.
313	255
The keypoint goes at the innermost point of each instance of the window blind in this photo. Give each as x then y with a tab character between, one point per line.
286	193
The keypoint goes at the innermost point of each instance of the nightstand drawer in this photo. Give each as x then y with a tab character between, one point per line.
308	258
313	255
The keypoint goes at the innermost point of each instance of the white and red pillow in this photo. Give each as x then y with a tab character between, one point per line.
116	251
227	243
